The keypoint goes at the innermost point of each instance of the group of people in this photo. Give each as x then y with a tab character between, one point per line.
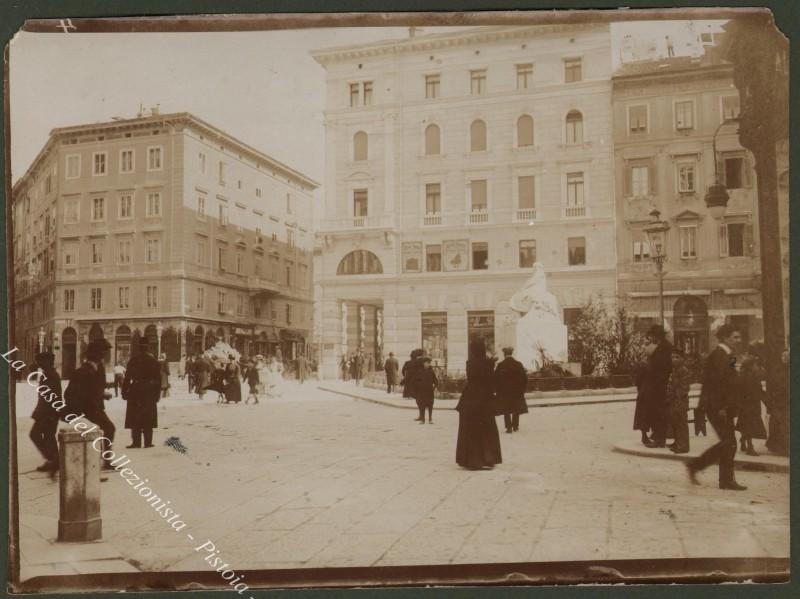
730	399
355	365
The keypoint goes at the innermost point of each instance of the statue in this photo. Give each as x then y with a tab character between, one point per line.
540	328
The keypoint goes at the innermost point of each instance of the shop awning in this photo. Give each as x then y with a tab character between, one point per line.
292	335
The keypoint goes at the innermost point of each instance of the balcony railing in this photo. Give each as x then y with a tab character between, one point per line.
526	214
432	218
478	216
571	211
385	221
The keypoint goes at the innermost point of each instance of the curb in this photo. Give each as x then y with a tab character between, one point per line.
666	454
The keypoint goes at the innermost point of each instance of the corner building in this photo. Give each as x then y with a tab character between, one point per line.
161	227
666	113
454	163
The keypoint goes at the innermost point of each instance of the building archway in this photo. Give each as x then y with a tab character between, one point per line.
197	341
690	324
210	338
122	344
69	352
170	345
96	334
151	334
360	262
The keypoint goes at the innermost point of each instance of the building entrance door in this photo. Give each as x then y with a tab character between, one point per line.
434	337
480	325
69	353
690	324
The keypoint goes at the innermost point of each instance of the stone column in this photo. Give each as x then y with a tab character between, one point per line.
79	487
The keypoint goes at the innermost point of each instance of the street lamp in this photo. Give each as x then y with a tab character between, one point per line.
656	231
159	330
41	339
716	197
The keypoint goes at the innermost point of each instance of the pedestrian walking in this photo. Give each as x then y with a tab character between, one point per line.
510	380
142	390
45	416
678	402
749	422
251	376
720	399
87	388
478	443
233	386
391	368
203	370
301	365
189	372
357	367
119	377
409	378
656	378
424	383
164	368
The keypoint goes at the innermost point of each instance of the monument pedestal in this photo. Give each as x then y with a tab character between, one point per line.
79	488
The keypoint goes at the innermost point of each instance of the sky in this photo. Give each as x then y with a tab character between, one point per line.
262	88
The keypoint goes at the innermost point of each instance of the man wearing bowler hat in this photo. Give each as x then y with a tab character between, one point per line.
142	389
45	416
510	380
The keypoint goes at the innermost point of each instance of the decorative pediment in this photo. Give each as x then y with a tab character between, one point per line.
688	215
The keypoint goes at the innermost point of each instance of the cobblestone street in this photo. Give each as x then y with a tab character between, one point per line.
316	479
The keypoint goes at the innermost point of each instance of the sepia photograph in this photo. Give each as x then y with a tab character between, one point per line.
398	299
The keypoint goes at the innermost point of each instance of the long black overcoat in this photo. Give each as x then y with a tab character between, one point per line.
478	443
141	389
510	380
424	383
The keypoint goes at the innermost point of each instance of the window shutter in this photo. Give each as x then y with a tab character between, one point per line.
637	246
652	175
627	184
723	240
749	241
747	167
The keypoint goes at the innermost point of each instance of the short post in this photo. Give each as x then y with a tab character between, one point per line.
79	487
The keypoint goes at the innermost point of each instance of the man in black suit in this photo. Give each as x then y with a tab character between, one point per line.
719	398
510	380
141	390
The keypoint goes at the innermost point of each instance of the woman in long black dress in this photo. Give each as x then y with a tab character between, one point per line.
749	422
233	386
478	444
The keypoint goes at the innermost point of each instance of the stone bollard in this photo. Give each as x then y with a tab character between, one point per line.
79	487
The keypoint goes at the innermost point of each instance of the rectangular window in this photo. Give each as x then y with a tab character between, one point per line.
273	268
152	251
527	253
290	238
200	252
240	305
732	239
201	208
70	255
70	212
154	158
258	192
201	157
241	217
288	313
354	93
480	255
367	88
126	161
97	252
432	86
688	239
527	192
478	195
96	298
223	173
637	118
288	203
641	250
684	115
125	210
575	190
124	251
153	204
221	258
640	180
303	277
221	302
576	248
524	76
730	107
480	325
433	258
223	214
573	70
69	300
360	203
477	82
98	209
124	298
200	298
433	199
73	170
686	172
99	163
733	172
152	296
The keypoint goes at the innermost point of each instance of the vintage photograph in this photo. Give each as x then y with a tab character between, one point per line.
408	299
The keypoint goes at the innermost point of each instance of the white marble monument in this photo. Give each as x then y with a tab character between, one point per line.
540	328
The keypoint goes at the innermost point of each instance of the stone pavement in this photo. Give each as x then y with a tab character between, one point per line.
317	479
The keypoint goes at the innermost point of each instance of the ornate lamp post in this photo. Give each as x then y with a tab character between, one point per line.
159	330
716	197
656	231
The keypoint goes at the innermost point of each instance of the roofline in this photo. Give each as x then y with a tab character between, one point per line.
183	117
725	66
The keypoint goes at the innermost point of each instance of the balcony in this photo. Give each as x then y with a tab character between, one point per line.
354	223
432	218
526	214
574	211
478	217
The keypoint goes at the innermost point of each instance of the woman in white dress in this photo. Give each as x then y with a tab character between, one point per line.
276	377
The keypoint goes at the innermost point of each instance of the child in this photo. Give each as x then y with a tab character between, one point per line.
251	376
678	399
424	385
749	422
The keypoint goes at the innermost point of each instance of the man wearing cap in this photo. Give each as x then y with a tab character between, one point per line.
510	380
141	389
45	417
89	384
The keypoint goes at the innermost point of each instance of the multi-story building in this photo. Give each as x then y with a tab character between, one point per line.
454	162
666	113
161	226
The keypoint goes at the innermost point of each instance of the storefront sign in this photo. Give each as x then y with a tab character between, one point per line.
412	256
455	255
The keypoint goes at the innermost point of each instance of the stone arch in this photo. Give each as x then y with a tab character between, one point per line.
360	262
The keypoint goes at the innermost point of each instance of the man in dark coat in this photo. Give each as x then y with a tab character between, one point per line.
141	389
45	417
425	382
659	367
391	367
88	385
357	367
302	368
719	397
510	380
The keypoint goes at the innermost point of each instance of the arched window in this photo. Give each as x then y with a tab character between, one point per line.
477	136
360	262
524	131
574	127
432	140
360	146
